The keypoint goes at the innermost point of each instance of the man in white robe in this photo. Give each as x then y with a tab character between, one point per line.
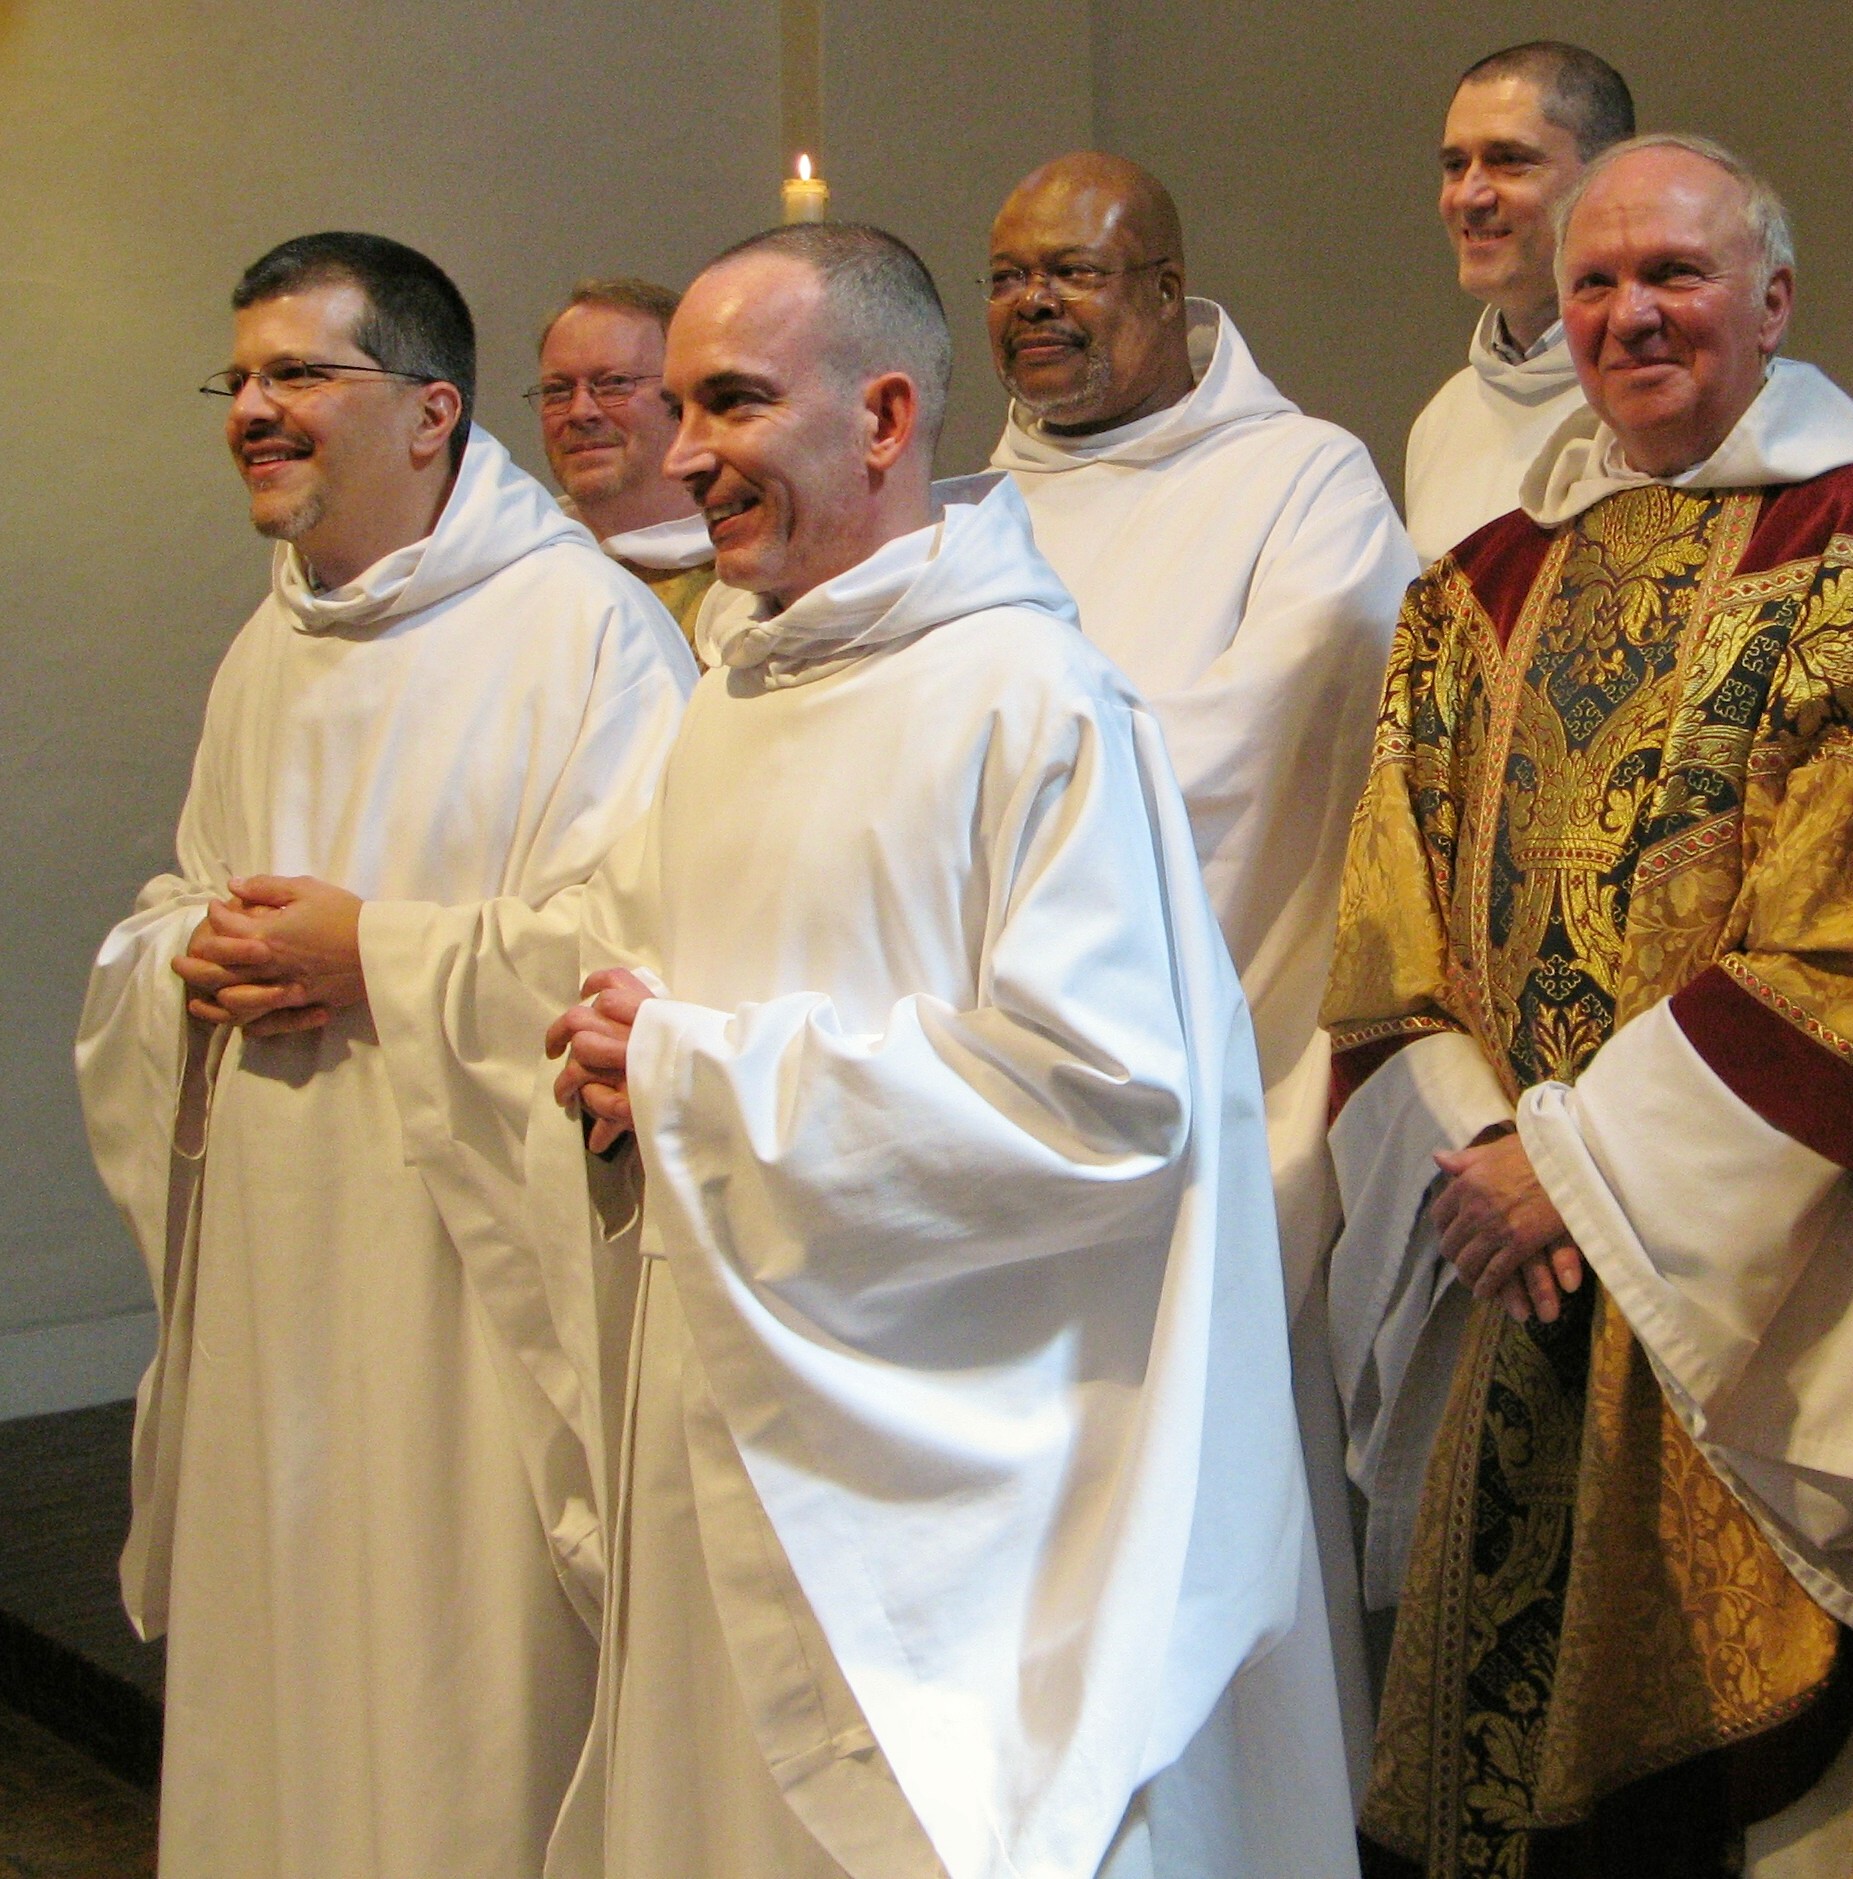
1242	564
359	1513
957	1504
1522	125
605	429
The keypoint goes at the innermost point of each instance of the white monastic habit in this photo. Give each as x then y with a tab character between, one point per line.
954	1485
669	547
1480	433
1654	1162
1243	566
380	1658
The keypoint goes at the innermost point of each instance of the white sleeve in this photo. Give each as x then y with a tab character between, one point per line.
1397	1311
1729	1246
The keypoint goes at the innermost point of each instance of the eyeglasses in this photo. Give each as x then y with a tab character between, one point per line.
286	380
611	391
1066	280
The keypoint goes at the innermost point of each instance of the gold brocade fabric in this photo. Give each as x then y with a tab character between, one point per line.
681	590
1655	774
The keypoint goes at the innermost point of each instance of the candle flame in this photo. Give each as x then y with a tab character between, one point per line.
804	169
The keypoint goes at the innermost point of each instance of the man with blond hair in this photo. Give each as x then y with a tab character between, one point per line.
605	428
1592	967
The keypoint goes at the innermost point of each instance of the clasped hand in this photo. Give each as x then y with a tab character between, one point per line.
595	1037
279	955
1501	1232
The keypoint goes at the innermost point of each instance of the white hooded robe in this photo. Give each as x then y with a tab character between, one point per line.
375	1665
1242	564
958	1474
1471	446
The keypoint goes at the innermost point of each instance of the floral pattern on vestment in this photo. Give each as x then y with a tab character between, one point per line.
1640	770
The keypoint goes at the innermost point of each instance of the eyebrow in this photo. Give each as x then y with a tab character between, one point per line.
738	382
1073	251
1505	147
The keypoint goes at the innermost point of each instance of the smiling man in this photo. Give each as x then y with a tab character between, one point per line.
954	1500
1242	564
358	1517
606	427
1522	125
1593	966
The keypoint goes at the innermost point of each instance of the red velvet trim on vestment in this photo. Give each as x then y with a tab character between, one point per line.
1793	1083
1799	519
1352	1069
1501	561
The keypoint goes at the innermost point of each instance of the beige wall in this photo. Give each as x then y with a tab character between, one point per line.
1301	145
147	152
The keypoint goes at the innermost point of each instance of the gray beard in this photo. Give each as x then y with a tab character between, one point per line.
1095	380
300	520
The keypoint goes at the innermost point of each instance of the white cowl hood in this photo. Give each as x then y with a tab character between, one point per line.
1800	425
496	514
1231	389
1545	372
668	547
972	559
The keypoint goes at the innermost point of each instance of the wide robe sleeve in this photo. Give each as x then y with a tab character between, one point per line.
461	998
989	1301
145	1073
1701	1159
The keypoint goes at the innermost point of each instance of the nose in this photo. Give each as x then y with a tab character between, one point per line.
1039	293
1475	187
254	399
581	406
687	455
1634	309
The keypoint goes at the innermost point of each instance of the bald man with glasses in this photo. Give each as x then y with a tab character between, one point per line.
606	429
1243	565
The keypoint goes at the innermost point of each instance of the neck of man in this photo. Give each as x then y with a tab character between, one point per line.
336	555
658	500
901	504
1173	382
1528	322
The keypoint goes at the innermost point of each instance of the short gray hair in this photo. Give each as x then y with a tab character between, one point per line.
1764	215
882	298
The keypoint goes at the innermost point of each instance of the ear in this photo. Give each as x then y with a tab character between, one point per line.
1170	285
891	404
1778	304
439	411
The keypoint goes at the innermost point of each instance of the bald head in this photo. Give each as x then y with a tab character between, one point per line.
799	388
1113	191
878	310
1087	320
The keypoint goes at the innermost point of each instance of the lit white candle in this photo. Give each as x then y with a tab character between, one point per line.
806	197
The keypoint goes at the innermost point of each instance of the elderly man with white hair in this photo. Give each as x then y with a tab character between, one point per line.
1593	967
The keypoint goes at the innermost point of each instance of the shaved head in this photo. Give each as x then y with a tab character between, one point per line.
1088	324
882	310
1119	192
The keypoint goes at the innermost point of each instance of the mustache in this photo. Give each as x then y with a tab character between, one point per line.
1042	335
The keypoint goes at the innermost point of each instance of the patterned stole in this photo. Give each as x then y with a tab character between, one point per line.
1587	1602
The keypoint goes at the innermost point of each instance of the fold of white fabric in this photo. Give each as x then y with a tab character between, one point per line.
1728	1245
1800	425
1397	1312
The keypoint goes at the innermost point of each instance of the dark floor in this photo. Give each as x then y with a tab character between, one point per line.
80	1694
63	1815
